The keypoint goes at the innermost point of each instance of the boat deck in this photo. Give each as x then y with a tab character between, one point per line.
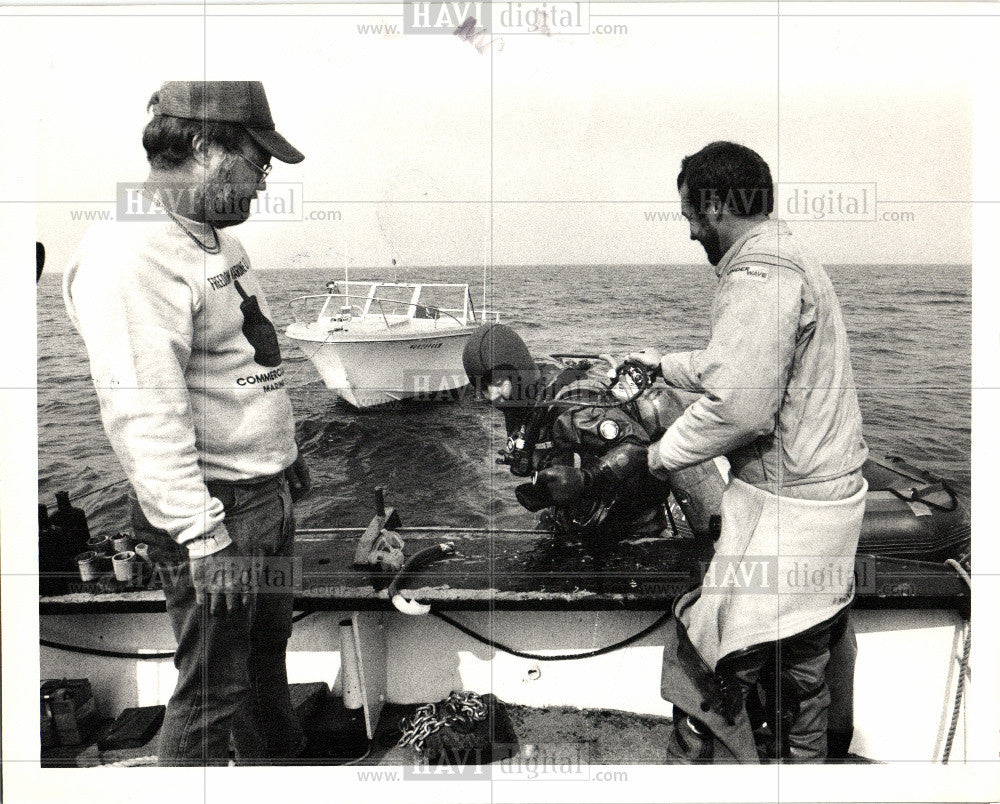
579	738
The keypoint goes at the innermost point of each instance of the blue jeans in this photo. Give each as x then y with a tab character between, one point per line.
232	676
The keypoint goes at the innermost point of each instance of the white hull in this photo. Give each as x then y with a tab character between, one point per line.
379	342
904	682
366	373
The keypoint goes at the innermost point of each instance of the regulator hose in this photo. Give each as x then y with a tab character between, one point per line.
640	377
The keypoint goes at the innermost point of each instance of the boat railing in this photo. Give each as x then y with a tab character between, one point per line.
344	308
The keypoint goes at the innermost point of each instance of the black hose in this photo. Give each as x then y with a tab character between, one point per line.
562	657
429	554
114	654
119	654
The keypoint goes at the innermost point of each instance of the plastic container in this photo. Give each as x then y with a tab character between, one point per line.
100	545
122	542
89	564
125	565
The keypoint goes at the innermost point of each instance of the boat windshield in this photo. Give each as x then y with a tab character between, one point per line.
432	301
444	300
391	303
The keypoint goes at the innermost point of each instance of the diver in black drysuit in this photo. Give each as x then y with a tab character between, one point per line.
588	476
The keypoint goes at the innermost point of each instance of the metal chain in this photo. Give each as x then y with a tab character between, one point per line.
459	707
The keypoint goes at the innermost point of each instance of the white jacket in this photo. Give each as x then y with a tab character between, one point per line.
777	390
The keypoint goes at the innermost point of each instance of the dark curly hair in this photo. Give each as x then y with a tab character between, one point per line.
169	140
731	173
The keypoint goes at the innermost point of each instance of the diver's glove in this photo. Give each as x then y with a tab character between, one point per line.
649	358
564	484
567	484
618	464
534	497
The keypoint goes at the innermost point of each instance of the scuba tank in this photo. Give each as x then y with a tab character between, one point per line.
697	489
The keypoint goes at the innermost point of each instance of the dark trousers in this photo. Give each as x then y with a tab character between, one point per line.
788	685
802	688
232	680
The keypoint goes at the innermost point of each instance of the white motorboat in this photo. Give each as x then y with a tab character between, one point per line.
379	342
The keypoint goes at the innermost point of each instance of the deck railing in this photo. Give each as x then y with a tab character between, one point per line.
329	308
347	308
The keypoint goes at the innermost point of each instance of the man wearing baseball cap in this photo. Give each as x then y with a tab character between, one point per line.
189	376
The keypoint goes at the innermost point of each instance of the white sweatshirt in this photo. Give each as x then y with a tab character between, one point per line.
189	379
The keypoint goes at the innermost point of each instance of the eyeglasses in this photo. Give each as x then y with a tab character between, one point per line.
263	171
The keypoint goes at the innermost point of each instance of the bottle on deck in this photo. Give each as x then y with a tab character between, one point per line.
69	536
50	555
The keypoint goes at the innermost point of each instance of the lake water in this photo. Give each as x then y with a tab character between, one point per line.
909	331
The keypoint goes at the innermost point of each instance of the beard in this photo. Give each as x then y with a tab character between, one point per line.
228	204
713	246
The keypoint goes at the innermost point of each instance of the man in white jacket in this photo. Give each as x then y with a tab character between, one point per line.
777	399
189	378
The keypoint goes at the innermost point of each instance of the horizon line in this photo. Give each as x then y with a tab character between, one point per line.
398	268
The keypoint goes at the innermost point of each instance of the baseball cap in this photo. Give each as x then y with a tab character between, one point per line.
240	102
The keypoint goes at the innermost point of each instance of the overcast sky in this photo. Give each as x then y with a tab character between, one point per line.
577	139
